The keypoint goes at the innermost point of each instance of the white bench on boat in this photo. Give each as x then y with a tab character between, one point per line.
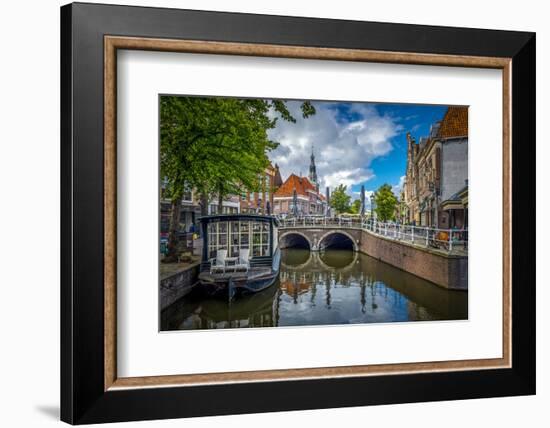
222	263
218	263
244	260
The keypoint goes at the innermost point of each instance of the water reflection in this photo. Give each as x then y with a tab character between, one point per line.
330	287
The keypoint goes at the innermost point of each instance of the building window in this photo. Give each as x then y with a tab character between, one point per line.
187	194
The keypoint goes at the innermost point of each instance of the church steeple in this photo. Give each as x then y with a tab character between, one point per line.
312	169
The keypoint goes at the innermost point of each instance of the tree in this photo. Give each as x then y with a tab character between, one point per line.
355	206
385	203
216	146
339	199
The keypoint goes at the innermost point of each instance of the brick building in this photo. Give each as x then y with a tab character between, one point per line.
247	202
308	199
436	182
262	202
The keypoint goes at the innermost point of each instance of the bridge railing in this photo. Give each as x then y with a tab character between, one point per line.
316	221
450	240
444	239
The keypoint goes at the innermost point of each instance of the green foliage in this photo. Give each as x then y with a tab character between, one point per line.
217	145
385	201
355	207
339	200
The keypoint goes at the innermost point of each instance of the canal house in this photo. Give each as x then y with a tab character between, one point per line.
437	168
240	253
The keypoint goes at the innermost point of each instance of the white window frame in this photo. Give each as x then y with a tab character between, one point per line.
262	244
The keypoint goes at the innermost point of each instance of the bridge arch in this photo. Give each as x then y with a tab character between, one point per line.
315	262
340	267
294	239
301	264
333	234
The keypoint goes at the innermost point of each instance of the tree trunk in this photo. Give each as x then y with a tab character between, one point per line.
204	204
220	202
173	241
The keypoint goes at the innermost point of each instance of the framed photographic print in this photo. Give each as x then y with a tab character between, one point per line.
266	213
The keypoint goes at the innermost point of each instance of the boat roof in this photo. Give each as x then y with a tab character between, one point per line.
239	217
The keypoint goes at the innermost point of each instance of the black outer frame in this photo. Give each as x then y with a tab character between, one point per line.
83	399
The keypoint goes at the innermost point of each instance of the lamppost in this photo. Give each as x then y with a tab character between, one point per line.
372	208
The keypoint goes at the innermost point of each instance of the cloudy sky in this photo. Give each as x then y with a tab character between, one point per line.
354	143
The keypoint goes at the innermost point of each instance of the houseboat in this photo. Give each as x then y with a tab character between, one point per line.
240	254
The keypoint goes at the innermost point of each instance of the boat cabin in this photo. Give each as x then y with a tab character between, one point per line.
236	232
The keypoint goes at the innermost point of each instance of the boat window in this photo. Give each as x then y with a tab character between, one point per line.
222	238
235	239
260	239
244	234
213	239
236	235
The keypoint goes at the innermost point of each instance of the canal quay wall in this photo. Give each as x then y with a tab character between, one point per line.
446	270
174	286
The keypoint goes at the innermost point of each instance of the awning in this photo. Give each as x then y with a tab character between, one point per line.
456	201
451	205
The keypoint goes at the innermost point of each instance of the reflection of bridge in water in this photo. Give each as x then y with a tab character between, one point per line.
313	261
304	271
323	288
317	275
437	255
340	272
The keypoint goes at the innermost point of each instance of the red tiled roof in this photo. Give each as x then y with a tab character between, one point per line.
301	184
454	123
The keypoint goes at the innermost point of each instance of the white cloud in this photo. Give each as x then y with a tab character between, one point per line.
343	151
399	186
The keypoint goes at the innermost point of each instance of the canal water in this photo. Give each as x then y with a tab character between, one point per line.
323	288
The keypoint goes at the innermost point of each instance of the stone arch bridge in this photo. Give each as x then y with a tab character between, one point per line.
447	269
317	238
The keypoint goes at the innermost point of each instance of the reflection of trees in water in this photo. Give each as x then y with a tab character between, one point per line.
363	299
295	284
317	279
376	282
197	312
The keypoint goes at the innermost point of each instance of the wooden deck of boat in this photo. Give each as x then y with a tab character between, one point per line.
253	273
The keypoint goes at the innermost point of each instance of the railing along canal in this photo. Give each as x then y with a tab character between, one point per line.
429	237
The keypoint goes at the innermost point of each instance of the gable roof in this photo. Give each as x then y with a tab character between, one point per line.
454	123
301	184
